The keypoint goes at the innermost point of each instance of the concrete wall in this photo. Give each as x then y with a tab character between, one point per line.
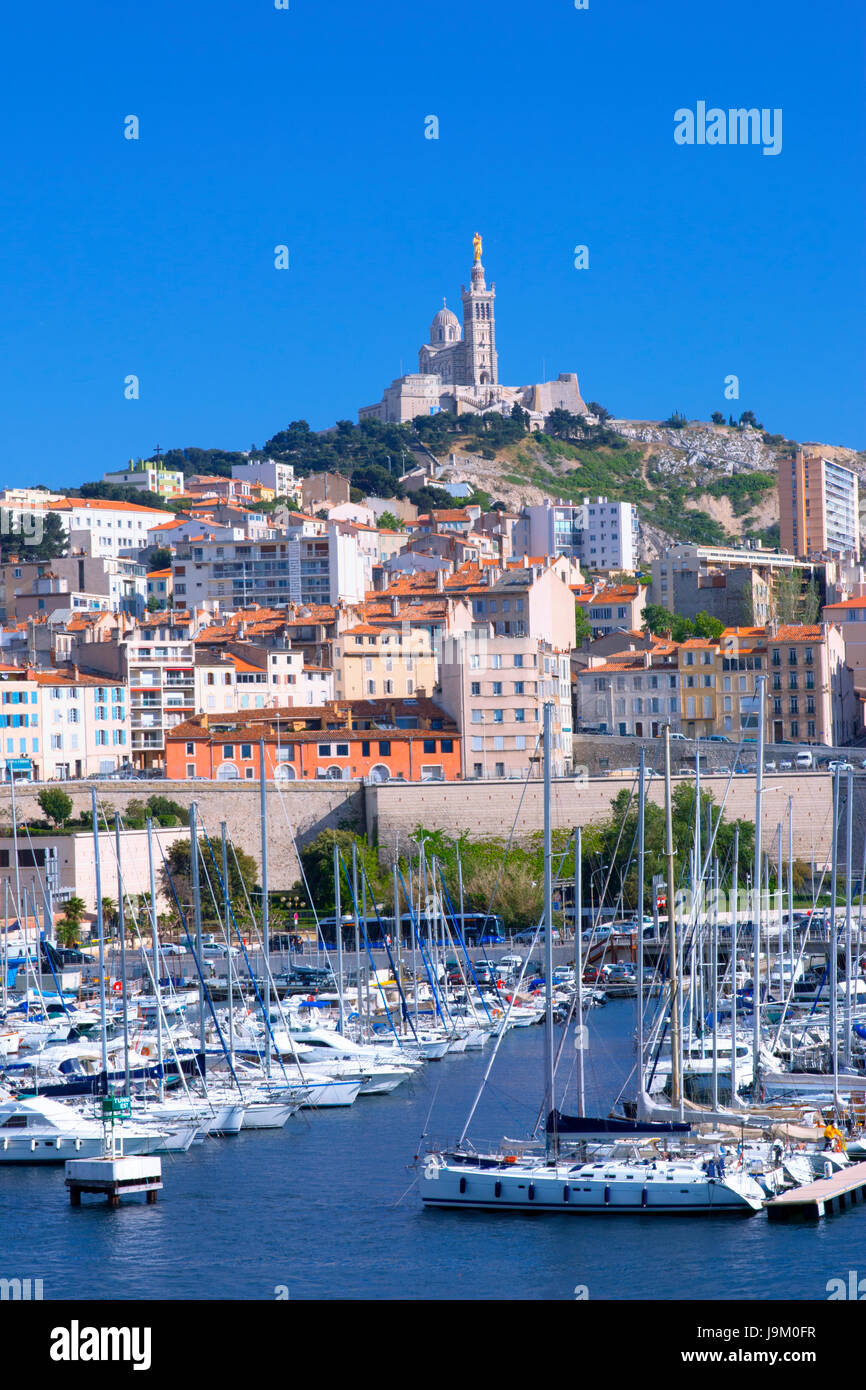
308	810
489	808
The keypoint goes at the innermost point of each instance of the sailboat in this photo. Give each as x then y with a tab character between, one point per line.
620	1179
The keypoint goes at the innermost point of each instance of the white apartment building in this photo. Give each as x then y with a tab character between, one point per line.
99	527
279	477
305	566
85	725
160	661
634	694
494	688
148	477
596	534
262	678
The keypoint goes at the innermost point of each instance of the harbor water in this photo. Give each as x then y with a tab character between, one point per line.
326	1209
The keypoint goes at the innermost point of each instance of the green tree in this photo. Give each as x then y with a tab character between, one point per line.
582	626
708	627
717	417
317	859
69	926
160	558
389	522
243	879
56	805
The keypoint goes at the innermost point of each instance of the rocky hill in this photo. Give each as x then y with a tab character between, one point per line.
702	482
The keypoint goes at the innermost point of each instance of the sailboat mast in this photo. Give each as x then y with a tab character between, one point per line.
338	919
756	891
121	917
641	866
578	969
100	932
849	908
834	945
549	1051
154	929
227	928
266	940
735	885
196	904
673	969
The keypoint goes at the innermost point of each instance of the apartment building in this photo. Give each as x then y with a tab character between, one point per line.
30	588
811	696
279	478
250	677
630	693
410	740
100	527
596	534
306	566
372	661
494	687
20	723
85	725
731	583
612	607
819	506
148	477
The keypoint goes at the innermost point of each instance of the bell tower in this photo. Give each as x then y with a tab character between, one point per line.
479	326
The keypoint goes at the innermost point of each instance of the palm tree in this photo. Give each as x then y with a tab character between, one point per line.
69	925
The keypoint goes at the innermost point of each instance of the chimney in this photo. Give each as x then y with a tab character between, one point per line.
440	581
395	605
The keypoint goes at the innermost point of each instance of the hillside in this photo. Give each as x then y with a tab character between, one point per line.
705	483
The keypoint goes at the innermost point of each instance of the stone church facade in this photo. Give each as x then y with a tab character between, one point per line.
458	368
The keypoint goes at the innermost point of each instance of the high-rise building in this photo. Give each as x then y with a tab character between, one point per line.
818	506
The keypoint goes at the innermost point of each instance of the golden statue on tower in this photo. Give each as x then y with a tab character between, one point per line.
476	242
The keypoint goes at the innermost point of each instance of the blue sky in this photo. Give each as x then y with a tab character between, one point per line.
306	127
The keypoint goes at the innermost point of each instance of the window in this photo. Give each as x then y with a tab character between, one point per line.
497	716
518	687
446	745
496	661
341	750
325	750
518	659
429	745
365	749
228	750
246	750
477	716
497	687
190	769
475	688
384	748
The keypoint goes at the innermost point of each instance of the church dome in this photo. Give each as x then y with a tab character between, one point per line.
445	327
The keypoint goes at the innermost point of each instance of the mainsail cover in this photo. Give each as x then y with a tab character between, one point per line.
557	1123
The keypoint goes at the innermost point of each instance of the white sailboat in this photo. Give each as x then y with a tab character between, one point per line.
617	1181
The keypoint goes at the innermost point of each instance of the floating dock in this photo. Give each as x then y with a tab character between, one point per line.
116	1177
846	1188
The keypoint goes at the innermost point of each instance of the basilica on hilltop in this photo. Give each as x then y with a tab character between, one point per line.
458	368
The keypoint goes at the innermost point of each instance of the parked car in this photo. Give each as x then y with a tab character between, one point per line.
680	738
840	765
785	765
718	738
804	759
769	766
510	962
217	949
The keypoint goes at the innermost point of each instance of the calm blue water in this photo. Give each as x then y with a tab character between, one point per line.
317	1207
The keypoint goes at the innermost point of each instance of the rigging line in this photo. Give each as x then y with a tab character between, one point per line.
194	849
363	925
393	964
424	955
265	1012
153	981
523	791
451	910
320	936
503	1027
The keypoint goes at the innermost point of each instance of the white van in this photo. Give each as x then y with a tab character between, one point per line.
805	759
